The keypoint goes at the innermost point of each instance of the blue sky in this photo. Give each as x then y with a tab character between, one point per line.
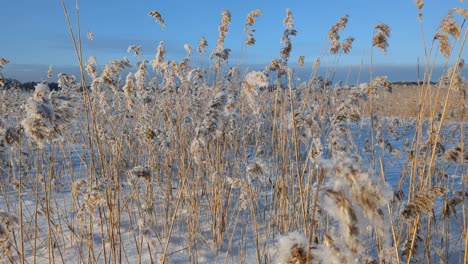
35	33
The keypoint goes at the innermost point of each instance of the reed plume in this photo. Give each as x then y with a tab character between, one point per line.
455	154
461	11
77	186
365	189
112	71
334	36
223	30
188	49
10	221
340	208
50	71
39	121
11	134
444	44
347	44
317	63
285	51
288	21
156	15
91	67
423	202
157	62
65	111
300	60
90	35
253	81
3	62
381	35
292	249
450	26
210	125
129	89
135	49
92	199
66	82
141	74
221	52
251	18
249	23
202	44
419	4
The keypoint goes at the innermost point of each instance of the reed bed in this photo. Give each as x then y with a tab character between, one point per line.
160	162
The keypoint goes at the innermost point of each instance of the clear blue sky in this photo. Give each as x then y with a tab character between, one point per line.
35	34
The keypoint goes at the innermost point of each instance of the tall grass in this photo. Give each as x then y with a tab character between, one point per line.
162	165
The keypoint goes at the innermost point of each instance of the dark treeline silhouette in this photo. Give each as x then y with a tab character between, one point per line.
411	83
27	86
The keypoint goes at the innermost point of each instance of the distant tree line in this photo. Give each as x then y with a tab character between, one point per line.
27	86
